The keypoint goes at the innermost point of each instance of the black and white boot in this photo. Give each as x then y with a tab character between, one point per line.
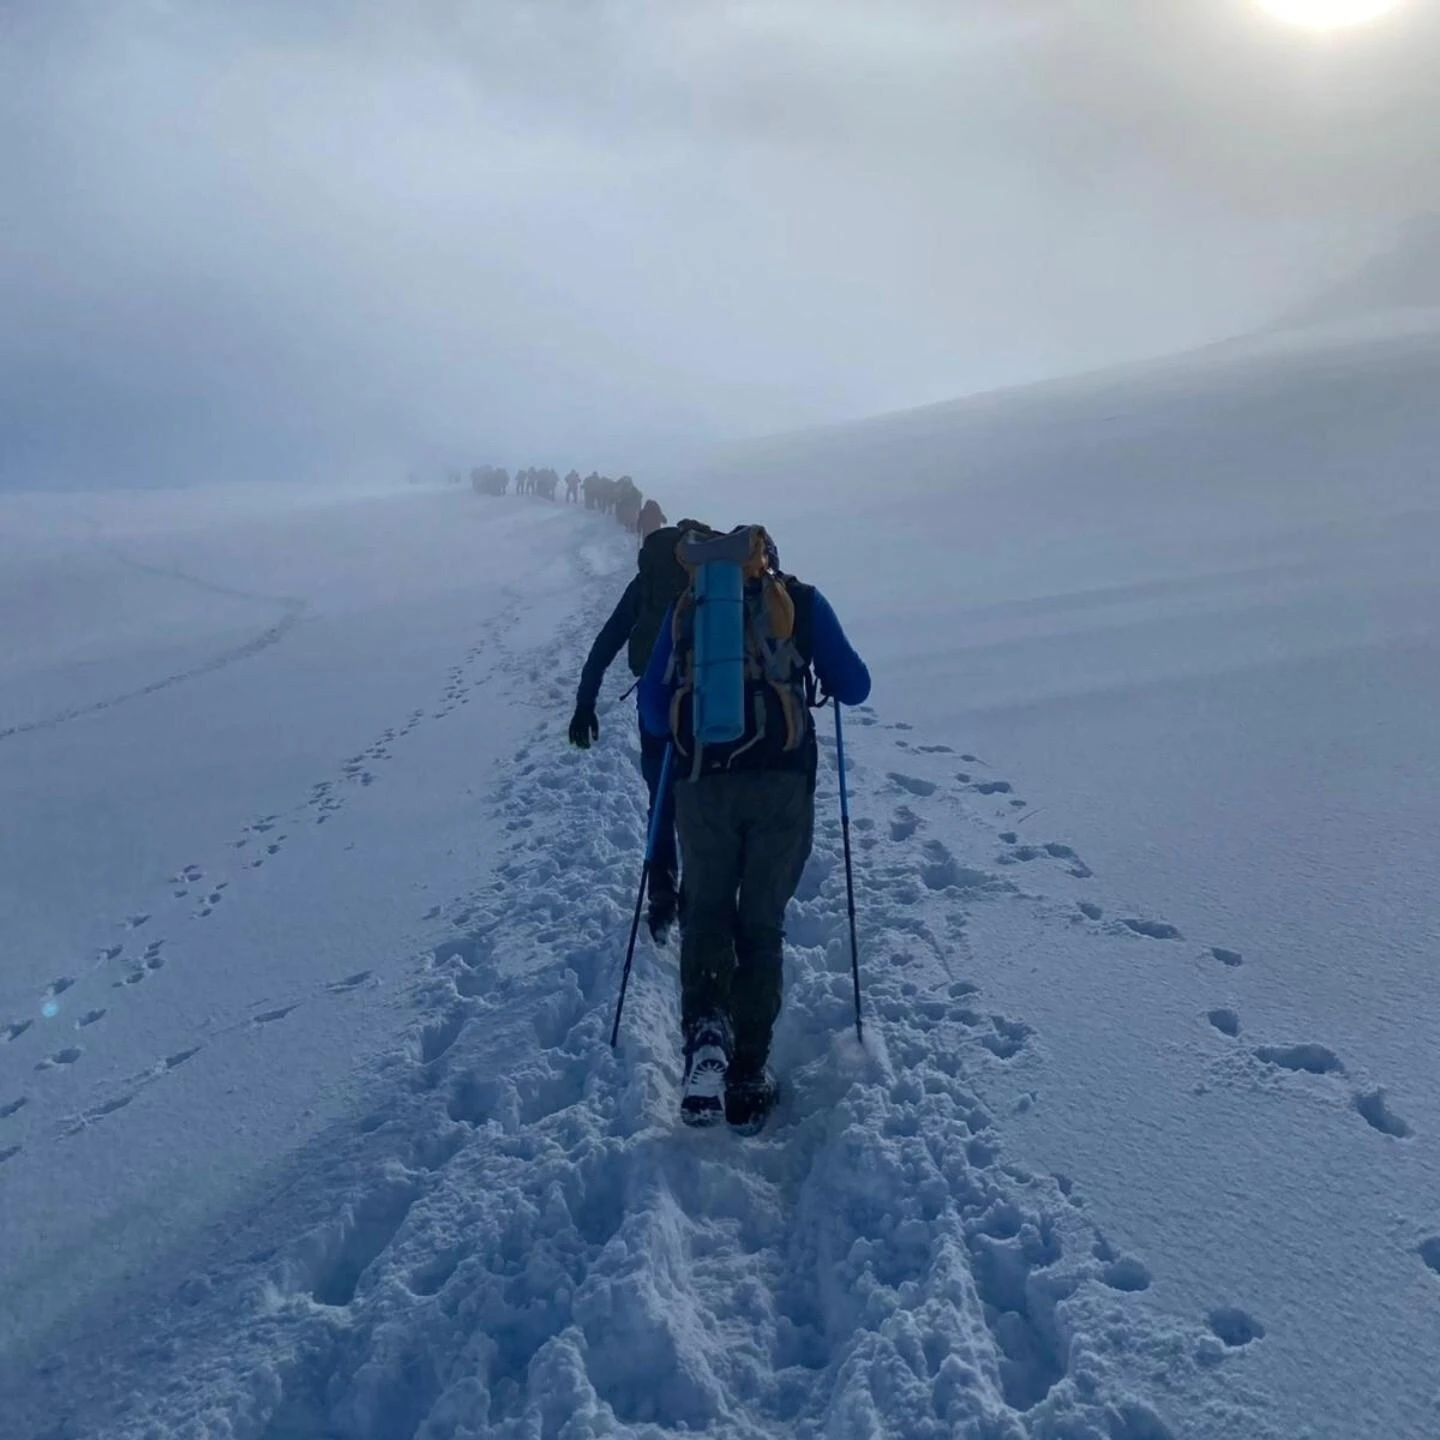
707	1059
750	1096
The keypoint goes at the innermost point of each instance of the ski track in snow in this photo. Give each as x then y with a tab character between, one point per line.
518	1238
291	610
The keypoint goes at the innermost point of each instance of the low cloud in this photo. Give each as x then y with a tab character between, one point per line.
292	239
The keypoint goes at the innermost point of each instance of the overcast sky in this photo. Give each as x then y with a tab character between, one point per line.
293	238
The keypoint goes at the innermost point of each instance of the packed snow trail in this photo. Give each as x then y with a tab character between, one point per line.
517	1237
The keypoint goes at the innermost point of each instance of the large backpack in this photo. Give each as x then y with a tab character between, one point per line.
741	685
663	579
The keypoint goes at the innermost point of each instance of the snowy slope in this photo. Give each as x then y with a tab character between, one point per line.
355	1160
1190	611
1142	1141
1404	277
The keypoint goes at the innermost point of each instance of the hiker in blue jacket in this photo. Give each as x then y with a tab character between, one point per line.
746	814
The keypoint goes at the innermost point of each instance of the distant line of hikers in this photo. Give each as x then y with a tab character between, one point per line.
620	498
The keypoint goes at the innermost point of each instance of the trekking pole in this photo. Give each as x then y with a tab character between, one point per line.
650	837
849	870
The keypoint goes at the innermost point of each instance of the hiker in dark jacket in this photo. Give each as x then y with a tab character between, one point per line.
746	817
634	623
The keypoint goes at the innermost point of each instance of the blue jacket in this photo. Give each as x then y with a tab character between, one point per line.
841	672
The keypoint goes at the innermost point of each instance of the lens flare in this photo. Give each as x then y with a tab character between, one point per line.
1328	14
49	1009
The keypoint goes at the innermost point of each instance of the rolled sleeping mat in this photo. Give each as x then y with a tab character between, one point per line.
719	715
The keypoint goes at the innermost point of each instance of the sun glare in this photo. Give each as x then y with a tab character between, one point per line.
1328	14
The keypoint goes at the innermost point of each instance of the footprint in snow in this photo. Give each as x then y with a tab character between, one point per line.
1122	1272
352	1248
1090	910
350	982
1430	1252
269	1017
1227	1022
9	1153
89	1018
14	1107
1379	1116
1153	929
941	871
67	1056
1007	1038
437	1038
1234	1328
1078	867
1024	854
1311	1059
904	823
1231	958
97	1113
152	961
993	787
912	784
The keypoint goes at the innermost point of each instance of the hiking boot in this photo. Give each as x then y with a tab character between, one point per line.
707	1059
663	913
750	1096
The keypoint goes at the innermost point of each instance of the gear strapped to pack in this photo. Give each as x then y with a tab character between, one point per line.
662	581
734	649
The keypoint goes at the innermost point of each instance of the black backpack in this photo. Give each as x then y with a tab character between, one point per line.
663	579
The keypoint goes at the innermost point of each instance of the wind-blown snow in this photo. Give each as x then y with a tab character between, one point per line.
309	1123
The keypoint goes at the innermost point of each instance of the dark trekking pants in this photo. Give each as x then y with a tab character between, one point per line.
664	869
744	839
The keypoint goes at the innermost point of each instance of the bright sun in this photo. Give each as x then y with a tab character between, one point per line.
1328	14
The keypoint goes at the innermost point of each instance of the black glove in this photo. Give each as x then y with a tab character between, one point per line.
584	727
